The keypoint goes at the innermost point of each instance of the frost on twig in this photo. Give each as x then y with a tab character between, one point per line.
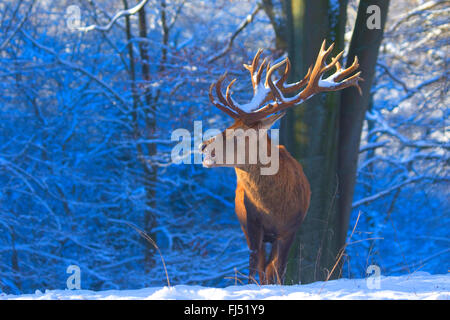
233	36
118	15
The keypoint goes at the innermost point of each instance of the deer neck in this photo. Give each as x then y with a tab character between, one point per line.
259	188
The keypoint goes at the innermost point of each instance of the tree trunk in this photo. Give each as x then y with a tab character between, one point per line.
365	44
310	133
143	149
149	149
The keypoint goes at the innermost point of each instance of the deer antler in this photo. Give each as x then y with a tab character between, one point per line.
269	97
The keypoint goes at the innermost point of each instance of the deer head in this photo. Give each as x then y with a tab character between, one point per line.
268	104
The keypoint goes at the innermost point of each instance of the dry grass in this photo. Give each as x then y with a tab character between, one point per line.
344	247
144	235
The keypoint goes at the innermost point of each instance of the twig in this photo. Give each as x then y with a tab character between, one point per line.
76	67
385	192
392	76
241	27
399	246
236	273
416	11
342	251
8	39
423	261
143	234
117	16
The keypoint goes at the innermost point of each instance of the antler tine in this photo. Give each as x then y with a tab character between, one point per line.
335	81
219	105
253	66
334	62
227	92
230	100
350	82
219	89
327	52
275	88
319	65
255	60
271	69
298	85
347	71
287	69
340	74
323	55
280	83
259	73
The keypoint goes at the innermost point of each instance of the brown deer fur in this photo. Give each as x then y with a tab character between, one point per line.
270	208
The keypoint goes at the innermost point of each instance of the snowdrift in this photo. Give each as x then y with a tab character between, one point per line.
418	285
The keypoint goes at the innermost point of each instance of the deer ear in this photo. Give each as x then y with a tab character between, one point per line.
267	123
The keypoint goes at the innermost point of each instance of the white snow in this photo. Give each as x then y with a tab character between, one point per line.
258	98
419	285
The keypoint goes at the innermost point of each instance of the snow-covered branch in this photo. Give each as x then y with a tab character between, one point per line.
240	28
118	15
82	70
423	8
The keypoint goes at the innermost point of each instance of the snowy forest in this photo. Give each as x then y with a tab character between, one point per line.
91	91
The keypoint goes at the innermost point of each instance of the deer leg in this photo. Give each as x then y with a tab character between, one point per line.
257	258
284	246
270	271
256	246
276	266
262	263
250	222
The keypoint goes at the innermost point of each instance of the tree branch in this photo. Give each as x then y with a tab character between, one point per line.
416	11
230	40
120	14
8	39
78	68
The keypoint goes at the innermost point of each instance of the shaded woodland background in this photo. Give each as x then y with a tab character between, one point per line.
85	124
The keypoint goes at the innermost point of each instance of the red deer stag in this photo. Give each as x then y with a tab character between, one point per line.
270	208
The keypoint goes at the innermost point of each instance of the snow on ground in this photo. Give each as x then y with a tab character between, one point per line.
419	285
